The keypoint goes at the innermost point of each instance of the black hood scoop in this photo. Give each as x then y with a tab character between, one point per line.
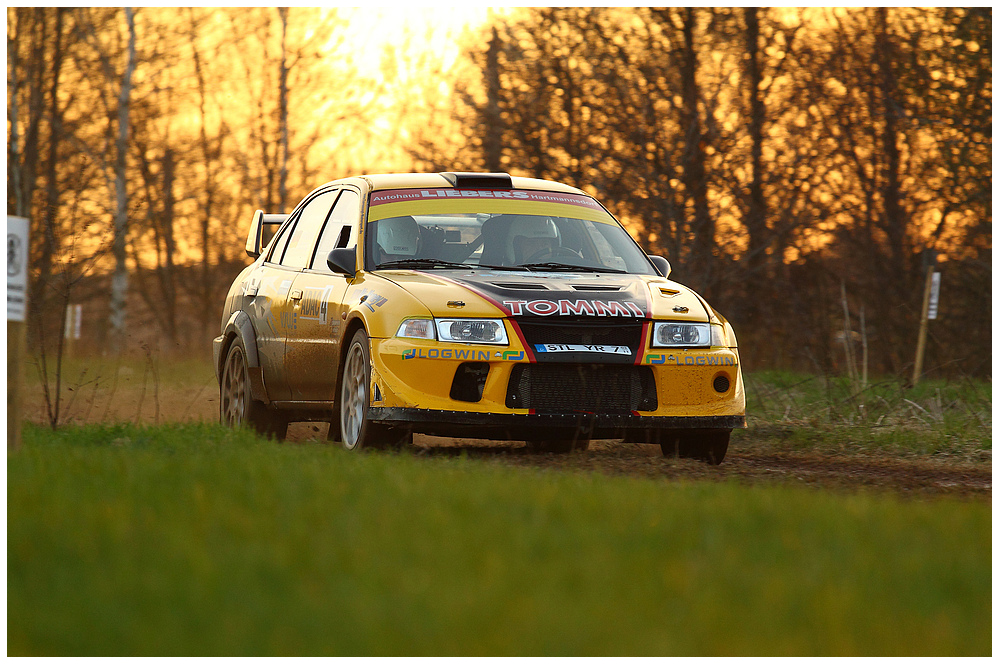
521	286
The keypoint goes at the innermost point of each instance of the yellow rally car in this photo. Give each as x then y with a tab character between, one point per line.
476	305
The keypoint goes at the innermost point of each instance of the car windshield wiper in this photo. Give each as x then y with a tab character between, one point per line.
559	266
423	263
502	268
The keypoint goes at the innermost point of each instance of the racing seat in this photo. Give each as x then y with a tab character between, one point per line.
496	244
396	238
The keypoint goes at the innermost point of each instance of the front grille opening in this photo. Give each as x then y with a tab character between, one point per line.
566	331
721	383
470	379
603	388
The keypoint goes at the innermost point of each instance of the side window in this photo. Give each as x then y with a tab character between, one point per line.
341	229
278	243
303	238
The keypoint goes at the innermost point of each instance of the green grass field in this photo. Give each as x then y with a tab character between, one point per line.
786	411
937	418
193	540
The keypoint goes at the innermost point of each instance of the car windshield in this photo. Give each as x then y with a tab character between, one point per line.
519	230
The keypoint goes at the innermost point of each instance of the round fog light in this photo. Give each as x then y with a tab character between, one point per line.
721	384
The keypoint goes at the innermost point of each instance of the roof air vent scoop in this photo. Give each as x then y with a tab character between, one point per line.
469	179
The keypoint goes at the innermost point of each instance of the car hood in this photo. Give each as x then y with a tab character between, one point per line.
551	294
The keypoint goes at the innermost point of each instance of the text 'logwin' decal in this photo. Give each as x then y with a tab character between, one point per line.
691	360
436	353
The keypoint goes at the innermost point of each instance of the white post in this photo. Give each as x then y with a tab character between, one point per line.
918	364
17	311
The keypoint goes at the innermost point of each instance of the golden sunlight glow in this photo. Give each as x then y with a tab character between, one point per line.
421	30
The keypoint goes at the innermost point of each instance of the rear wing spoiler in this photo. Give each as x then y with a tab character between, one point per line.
255	237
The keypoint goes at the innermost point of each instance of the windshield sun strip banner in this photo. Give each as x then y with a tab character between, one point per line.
380	197
390	204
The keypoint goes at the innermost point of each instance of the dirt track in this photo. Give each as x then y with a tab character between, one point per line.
752	459
918	477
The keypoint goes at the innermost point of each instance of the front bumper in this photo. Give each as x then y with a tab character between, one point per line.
541	426
217	356
421	375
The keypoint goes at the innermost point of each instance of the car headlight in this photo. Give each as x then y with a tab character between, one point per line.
471	331
416	329
730	336
719	336
684	334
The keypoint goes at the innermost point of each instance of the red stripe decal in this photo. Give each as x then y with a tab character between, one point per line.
517	329
524	343
468	287
642	344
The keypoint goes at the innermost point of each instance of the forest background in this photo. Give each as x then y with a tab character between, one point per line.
800	168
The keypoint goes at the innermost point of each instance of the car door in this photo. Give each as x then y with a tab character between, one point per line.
312	354
267	291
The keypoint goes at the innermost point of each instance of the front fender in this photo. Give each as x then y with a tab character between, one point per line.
240	326
381	305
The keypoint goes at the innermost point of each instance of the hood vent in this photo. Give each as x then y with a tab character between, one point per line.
596	288
475	180
521	286
666	291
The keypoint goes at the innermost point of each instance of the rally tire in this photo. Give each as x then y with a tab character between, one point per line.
558	446
708	445
356	430
237	406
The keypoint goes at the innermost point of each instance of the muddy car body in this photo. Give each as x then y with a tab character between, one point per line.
476	305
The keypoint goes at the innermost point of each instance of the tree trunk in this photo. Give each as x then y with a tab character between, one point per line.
36	108
890	289
756	219
702	225
14	177
49	244
283	113
205	288
169	281
119	279
23	149
895	216
492	141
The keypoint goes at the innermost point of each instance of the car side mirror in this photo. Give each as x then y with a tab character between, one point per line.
343	260
661	264
255	237
255	234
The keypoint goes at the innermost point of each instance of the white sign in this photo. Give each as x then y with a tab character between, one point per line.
935	291
17	268
74	315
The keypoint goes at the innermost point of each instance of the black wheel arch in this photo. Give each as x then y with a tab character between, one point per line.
352	326
240	326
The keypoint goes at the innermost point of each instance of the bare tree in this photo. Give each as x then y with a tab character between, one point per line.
119	279
283	111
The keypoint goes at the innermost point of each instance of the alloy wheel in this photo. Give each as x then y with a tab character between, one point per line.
234	389
353	398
